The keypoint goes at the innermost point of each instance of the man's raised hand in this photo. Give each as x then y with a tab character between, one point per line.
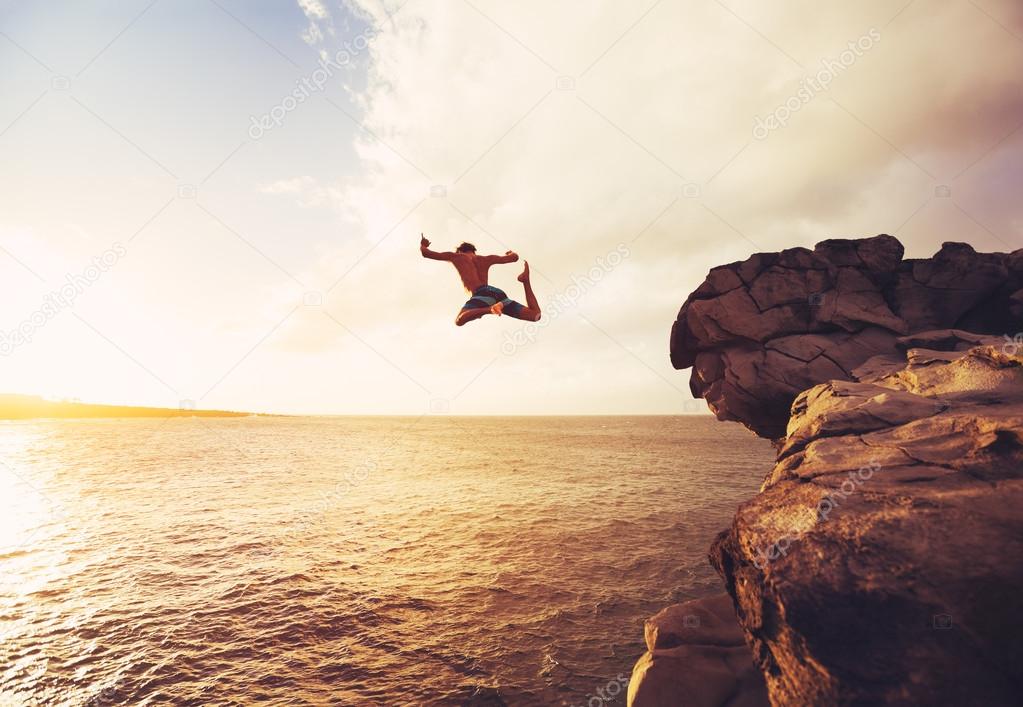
423	243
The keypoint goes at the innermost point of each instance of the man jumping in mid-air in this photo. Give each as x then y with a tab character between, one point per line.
485	299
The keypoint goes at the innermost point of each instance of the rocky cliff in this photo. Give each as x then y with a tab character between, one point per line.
882	562
759	332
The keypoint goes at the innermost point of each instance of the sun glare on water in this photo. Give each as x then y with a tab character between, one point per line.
28	513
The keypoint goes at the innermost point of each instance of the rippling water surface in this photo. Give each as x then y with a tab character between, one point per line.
351	561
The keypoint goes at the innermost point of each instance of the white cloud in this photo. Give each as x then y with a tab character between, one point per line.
314	9
319	18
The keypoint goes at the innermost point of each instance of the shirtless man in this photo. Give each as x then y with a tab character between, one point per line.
485	299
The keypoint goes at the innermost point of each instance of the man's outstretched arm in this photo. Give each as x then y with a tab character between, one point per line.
509	257
424	248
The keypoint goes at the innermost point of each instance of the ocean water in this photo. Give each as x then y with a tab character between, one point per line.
352	561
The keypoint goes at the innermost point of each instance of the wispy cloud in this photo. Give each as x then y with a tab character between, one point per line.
320	21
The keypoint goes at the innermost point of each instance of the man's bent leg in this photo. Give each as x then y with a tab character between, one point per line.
531	312
520	311
467	315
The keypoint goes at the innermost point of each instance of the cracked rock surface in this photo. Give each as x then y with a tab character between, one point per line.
882	562
758	332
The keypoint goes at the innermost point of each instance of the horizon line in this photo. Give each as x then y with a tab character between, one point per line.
41	402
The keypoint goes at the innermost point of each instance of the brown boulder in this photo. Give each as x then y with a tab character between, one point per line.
696	657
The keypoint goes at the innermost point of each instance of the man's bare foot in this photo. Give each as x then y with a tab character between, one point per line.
497	309
524	277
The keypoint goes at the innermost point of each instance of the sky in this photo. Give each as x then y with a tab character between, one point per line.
218	203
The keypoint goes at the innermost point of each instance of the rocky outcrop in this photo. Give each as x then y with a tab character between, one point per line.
696	656
759	332
882	562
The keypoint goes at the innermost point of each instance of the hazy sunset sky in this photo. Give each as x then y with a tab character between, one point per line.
277	269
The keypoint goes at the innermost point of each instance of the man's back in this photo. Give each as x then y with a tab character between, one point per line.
473	269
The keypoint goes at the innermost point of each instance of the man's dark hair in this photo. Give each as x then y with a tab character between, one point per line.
466	248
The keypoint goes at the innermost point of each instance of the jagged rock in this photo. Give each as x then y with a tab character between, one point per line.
759	332
696	657
882	563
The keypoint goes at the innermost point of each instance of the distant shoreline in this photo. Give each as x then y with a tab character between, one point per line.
30	407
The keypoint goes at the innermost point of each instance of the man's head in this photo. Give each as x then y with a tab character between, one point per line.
466	248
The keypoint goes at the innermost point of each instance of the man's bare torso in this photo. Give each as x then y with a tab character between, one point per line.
473	269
